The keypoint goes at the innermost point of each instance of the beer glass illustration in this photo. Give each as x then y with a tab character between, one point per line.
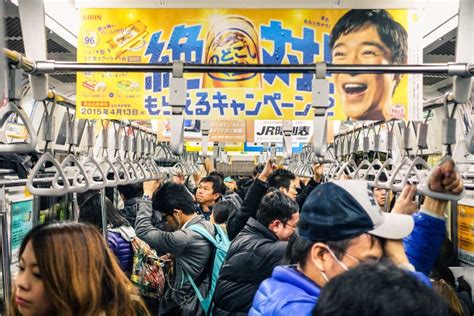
232	40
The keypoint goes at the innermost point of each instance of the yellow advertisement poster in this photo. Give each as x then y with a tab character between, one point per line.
466	233
221	130
248	36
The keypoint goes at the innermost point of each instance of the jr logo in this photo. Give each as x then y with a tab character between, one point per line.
277	131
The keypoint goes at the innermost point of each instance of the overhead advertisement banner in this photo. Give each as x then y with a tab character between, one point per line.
270	131
221	130
249	36
466	233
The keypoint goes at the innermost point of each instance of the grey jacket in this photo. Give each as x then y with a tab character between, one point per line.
192	253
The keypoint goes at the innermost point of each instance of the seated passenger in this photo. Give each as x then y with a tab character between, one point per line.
67	269
341	226
119	231
375	289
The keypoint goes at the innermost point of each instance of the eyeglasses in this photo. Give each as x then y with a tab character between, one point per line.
291	225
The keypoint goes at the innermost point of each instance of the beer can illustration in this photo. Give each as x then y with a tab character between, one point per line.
232	40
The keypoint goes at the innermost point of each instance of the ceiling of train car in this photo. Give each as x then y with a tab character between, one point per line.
440	51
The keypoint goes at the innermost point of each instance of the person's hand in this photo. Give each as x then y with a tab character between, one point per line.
446	179
318	170
267	171
149	187
405	203
208	165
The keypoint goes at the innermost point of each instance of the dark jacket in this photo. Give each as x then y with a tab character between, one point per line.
244	188
121	247
301	197
239	218
251	258
192	253
130	210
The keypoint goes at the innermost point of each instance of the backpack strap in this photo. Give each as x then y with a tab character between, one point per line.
205	302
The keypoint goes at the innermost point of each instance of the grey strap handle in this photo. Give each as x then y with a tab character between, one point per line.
400	173
131	171
18	147
93	168
56	189
361	171
80	180
384	168
107	165
124	177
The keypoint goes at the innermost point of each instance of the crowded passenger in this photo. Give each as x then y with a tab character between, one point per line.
338	233
376	289
253	254
67	269
130	194
208	194
119	230
221	212
192	252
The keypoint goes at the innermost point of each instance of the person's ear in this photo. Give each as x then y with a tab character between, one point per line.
318	258
216	196
274	226
283	189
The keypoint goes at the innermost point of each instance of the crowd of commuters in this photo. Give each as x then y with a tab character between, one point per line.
313	247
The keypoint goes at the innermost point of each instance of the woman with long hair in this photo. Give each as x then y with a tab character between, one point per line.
119	231
67	269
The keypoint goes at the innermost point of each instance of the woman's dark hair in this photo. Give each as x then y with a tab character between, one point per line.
222	210
90	211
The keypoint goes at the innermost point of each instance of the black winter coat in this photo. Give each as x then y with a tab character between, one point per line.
251	258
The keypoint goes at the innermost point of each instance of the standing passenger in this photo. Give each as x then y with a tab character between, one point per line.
67	269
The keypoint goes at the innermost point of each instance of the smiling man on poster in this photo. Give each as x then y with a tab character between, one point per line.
368	37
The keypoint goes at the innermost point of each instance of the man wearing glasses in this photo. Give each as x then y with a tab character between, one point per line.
341	226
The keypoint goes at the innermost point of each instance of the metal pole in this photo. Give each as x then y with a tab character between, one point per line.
59	66
6	280
103	210
49	67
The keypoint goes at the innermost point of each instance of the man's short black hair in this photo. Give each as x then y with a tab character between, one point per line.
276	205
281	178
374	289
392	33
258	169
217	184
173	196
130	191
218	174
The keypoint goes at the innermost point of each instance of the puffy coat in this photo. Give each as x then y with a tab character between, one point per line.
119	242
251	258
290	292
422	246
287	292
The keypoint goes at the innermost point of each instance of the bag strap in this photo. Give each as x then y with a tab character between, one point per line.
204	233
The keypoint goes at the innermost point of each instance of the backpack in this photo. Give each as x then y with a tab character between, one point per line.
147	272
221	243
